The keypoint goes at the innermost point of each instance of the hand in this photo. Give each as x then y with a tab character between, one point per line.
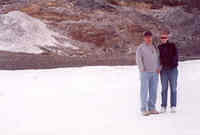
141	70
158	70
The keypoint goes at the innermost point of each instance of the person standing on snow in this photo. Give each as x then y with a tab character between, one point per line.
147	59
169	71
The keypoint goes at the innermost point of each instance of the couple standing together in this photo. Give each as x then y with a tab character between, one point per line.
153	61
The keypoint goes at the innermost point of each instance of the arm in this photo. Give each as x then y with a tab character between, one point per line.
175	53
139	60
159	62
159	68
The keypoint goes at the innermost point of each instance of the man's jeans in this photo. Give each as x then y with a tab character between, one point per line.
169	77
148	91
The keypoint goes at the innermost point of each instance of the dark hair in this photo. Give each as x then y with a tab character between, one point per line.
147	33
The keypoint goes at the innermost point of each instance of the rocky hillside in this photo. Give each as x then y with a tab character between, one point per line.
59	33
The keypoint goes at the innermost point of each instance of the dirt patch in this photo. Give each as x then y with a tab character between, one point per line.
19	61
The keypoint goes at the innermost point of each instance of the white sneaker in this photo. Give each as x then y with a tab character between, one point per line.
173	109
163	110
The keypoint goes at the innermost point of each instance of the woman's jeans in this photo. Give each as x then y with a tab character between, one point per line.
148	90
169	78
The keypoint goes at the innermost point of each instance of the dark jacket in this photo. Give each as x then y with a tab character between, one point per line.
168	56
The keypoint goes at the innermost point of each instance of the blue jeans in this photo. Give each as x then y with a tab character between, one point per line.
169	77
148	90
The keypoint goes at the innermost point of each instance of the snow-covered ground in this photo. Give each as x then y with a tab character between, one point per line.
92	101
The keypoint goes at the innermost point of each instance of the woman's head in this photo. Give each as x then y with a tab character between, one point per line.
164	36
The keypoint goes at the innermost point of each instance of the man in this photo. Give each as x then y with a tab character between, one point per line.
169	72
147	59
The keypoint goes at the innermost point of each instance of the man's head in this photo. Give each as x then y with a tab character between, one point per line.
164	37
148	37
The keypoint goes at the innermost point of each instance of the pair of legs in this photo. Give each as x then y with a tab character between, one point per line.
169	78
148	90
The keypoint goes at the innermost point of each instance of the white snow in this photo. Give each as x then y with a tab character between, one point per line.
92	101
20	32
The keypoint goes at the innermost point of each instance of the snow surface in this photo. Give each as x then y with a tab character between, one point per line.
20	32
92	101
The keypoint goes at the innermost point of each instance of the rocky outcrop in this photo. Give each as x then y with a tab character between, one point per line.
183	26
188	3
102	31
